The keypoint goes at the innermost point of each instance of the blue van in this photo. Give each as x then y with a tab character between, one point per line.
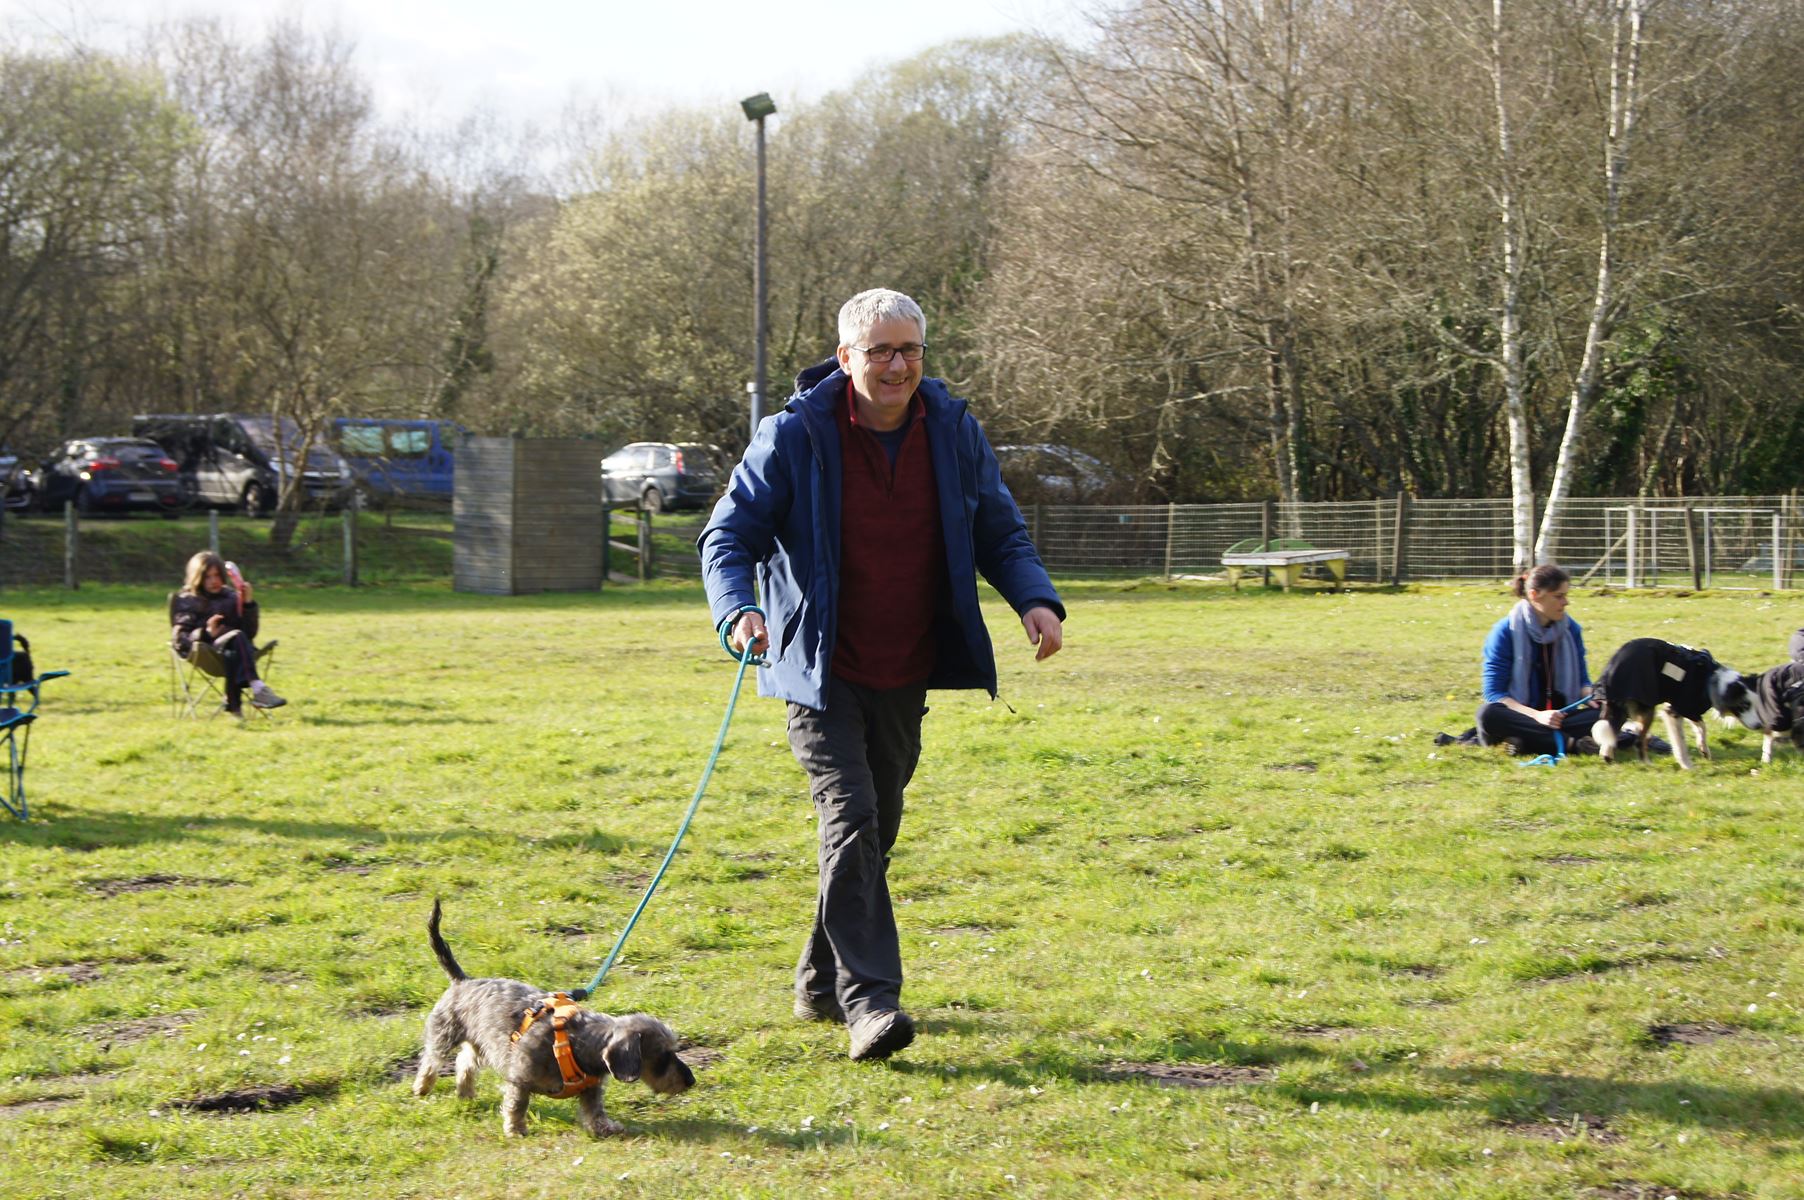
395	457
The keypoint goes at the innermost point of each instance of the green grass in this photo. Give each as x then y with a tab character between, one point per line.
1213	833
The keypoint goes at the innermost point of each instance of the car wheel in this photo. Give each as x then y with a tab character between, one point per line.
652	500
257	500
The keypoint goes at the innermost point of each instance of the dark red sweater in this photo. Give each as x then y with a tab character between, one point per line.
892	557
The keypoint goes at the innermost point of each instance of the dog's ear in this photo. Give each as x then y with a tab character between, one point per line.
622	1055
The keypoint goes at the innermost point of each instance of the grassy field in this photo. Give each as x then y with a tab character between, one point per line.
1199	911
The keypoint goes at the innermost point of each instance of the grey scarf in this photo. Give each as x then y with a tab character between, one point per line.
1527	635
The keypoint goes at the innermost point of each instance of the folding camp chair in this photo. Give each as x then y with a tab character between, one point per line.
196	679
16	722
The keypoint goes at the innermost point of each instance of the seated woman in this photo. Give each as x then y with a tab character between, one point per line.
210	611
1534	665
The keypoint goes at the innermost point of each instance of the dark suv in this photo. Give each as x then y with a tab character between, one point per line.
661	475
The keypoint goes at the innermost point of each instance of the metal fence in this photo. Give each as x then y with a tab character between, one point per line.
1714	541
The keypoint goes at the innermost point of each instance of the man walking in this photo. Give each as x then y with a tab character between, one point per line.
866	509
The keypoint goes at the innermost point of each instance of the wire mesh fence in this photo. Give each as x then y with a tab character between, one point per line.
1708	541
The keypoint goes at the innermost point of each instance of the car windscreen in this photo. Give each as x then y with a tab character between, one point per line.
132	451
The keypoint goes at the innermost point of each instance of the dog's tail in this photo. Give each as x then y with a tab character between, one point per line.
439	948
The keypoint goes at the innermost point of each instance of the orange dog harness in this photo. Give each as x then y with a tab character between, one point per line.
560	1008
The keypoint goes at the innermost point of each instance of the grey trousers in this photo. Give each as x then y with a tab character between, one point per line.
859	753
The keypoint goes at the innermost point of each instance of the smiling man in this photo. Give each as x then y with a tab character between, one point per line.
866	510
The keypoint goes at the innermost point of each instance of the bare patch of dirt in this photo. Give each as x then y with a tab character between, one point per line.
125	1033
1569	860
266	1097
1629	1189
77	972
1418	971
350	868
150	883
1333	1033
1568	1129
21	1108
404	1069
1306	767
699	1058
1189	1075
565	930
632	881
1691	1033
953	930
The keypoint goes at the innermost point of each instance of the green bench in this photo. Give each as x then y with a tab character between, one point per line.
1286	558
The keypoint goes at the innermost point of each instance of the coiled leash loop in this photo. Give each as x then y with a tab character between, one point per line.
1559	740
745	659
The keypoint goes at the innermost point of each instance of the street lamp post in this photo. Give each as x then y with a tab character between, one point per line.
757	108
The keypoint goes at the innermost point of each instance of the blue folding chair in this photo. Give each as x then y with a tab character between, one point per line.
15	722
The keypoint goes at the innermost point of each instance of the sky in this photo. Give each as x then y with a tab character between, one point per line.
529	60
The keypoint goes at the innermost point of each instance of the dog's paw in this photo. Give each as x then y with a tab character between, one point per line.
605	1127
423	1082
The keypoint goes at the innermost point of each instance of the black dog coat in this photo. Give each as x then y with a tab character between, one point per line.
1781	692
1648	672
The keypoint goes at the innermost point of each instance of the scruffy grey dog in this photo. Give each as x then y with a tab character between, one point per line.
476	1020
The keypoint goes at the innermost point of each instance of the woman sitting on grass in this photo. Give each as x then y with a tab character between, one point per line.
210	611
1534	665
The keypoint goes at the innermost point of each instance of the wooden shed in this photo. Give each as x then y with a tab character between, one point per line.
527	516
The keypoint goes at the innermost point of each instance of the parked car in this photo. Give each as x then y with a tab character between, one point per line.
108	474
15	481
661	475
415	459
234	460
1050	474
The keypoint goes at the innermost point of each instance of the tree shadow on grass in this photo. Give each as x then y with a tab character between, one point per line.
1513	1096
1032	1069
59	824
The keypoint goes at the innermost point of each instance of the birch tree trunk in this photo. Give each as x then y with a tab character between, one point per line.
1625	59
1522	480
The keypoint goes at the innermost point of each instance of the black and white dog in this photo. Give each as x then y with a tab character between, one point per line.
1778	705
1646	675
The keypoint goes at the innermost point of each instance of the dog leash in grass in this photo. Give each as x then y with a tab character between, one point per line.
1559	741
744	659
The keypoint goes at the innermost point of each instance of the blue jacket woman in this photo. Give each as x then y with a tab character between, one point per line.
1534	665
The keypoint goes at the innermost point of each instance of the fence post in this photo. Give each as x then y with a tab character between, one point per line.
607	541
71	537
213	530
1267	518
1778	571
1400	536
1630	548
644	545
1691	549
350	515
1171	524
1034	533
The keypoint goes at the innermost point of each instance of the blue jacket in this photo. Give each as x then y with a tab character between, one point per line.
1500	662
779	520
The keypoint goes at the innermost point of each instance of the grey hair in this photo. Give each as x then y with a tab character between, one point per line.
859	315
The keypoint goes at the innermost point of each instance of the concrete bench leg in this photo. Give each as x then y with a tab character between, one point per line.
1287	574
1234	578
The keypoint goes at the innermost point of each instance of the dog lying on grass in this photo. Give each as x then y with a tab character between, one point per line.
1646	675
1778	705
522	1033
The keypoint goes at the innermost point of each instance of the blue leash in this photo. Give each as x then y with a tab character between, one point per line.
744	660
1559	741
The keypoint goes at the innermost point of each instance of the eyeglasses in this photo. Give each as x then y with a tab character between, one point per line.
910	352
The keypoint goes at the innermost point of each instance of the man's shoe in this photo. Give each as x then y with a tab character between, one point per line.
880	1034
262	697
237	714
818	1008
